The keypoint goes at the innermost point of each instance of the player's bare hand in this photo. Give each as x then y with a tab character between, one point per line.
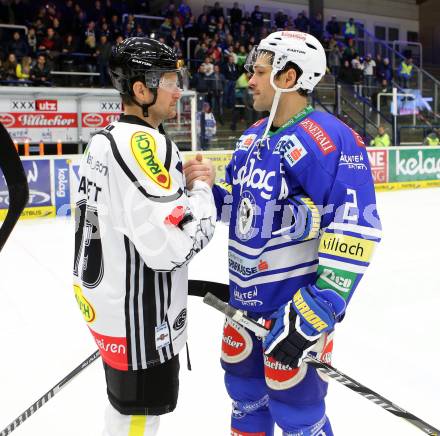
199	168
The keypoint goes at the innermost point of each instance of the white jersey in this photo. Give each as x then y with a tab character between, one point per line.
136	229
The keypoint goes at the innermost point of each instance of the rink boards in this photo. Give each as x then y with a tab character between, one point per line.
53	180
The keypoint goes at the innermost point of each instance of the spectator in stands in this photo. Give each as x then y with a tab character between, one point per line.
217	85
216	11
23	71
214	52
385	87
280	20
350	29
206	126
18	46
369	70
432	139
334	57
105	30
405	72
235	17
184	9
199	82
32	40
165	28
257	19
302	22
317	26
115	26
333	27
231	73
384	71
200	53
241	86
241	56
190	29
102	53
350	51
357	73
90	37
10	67
242	37
40	72
70	44
51	44
208	67
382	139
346	74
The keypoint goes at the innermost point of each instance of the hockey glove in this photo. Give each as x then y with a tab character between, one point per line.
297	326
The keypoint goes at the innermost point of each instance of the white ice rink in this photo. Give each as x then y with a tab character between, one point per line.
389	340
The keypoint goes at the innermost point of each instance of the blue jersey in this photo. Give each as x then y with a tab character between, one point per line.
301	210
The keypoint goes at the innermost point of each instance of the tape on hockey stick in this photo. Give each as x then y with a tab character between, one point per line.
240	317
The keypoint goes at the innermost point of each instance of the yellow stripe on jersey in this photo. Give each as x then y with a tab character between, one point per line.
225	186
137	425
348	247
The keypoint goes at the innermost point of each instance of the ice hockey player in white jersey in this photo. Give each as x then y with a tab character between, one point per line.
137	227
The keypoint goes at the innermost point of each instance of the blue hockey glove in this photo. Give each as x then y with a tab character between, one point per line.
297	326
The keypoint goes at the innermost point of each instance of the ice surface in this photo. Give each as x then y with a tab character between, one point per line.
389	340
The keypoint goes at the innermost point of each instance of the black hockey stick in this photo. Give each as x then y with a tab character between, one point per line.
48	395
18	189
240	317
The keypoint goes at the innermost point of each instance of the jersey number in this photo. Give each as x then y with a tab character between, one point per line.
88	246
351	207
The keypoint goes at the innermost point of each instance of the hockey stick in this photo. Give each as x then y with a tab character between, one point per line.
16	182
48	395
196	288
259	330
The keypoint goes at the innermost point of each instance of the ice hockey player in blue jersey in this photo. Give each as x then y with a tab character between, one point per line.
300	202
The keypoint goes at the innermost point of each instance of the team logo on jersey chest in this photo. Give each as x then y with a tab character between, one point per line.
144	149
246	216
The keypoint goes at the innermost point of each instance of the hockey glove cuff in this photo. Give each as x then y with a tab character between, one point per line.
297	326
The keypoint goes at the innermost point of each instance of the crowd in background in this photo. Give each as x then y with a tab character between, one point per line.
77	36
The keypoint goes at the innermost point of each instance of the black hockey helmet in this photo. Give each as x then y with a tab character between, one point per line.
143	59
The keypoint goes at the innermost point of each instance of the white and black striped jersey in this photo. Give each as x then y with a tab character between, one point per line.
136	229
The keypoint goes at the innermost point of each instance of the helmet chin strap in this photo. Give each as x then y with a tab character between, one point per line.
145	106
276	100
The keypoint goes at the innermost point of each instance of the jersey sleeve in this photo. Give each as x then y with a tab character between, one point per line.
150	205
222	192
338	181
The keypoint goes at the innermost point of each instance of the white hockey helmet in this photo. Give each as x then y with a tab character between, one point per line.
280	48
300	48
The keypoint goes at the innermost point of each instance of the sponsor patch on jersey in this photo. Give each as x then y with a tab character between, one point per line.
279	376
144	149
246	141
85	307
352	161
236	344
180	320
348	247
162	336
333	278
294	151
319	135
113	350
